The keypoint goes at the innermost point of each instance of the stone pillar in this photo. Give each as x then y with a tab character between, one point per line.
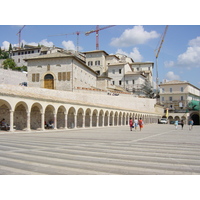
83	126
28	121
90	121
11	120
65	121
97	124
55	121
42	122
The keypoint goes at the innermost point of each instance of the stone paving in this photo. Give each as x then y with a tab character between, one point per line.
157	149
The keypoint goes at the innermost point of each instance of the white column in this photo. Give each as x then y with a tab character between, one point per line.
28	121
11	120
83	126
75	121
55	121
90	121
66	120
42	122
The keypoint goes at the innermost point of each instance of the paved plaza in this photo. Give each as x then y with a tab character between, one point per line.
157	149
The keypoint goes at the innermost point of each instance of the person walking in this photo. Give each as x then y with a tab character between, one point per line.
182	123
176	124
191	123
131	124
140	123
135	123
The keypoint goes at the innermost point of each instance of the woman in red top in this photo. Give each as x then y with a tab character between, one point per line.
131	124
140	123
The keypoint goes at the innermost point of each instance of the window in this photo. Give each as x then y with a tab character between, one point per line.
163	98
63	76
90	63
68	76
120	82
35	77
170	89
182	98
113	71
170	98
126	82
98	72
48	67
181	89
133	81
97	62
18	60
120	71
163	90
113	82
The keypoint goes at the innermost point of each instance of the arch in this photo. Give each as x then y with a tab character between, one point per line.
5	108
101	118
35	115
49	115
94	118
61	117
20	115
195	118
49	81
71	123
80	114
106	118
87	117
116	118
111	122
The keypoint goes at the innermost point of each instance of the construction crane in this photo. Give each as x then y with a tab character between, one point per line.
97	33
157	51
19	33
74	33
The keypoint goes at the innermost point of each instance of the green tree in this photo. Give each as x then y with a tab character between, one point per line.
10	48
148	89
8	64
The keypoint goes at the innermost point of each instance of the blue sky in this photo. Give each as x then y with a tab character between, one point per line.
179	57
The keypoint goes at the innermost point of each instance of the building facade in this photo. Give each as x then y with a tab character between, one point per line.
59	71
176	96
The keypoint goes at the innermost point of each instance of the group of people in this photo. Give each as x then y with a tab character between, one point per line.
191	123
136	123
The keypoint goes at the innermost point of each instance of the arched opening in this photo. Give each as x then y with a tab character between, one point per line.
71	118
195	118
80	114
87	117
61	117
20	116
48	81
36	116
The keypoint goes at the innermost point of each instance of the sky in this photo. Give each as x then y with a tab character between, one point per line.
179	57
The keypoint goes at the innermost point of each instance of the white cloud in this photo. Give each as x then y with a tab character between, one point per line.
171	76
135	54
190	58
134	36
169	63
5	45
42	42
69	45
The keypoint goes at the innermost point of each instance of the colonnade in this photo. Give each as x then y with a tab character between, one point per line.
29	114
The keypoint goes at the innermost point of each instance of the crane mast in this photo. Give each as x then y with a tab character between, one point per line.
97	33
157	54
19	33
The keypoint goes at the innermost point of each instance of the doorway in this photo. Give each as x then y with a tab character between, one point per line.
49	81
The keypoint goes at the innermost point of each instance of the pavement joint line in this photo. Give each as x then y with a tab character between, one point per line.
152	136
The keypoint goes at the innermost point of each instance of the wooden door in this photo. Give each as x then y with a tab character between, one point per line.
49	81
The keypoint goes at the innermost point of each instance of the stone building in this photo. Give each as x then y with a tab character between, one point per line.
120	71
59	71
176	96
